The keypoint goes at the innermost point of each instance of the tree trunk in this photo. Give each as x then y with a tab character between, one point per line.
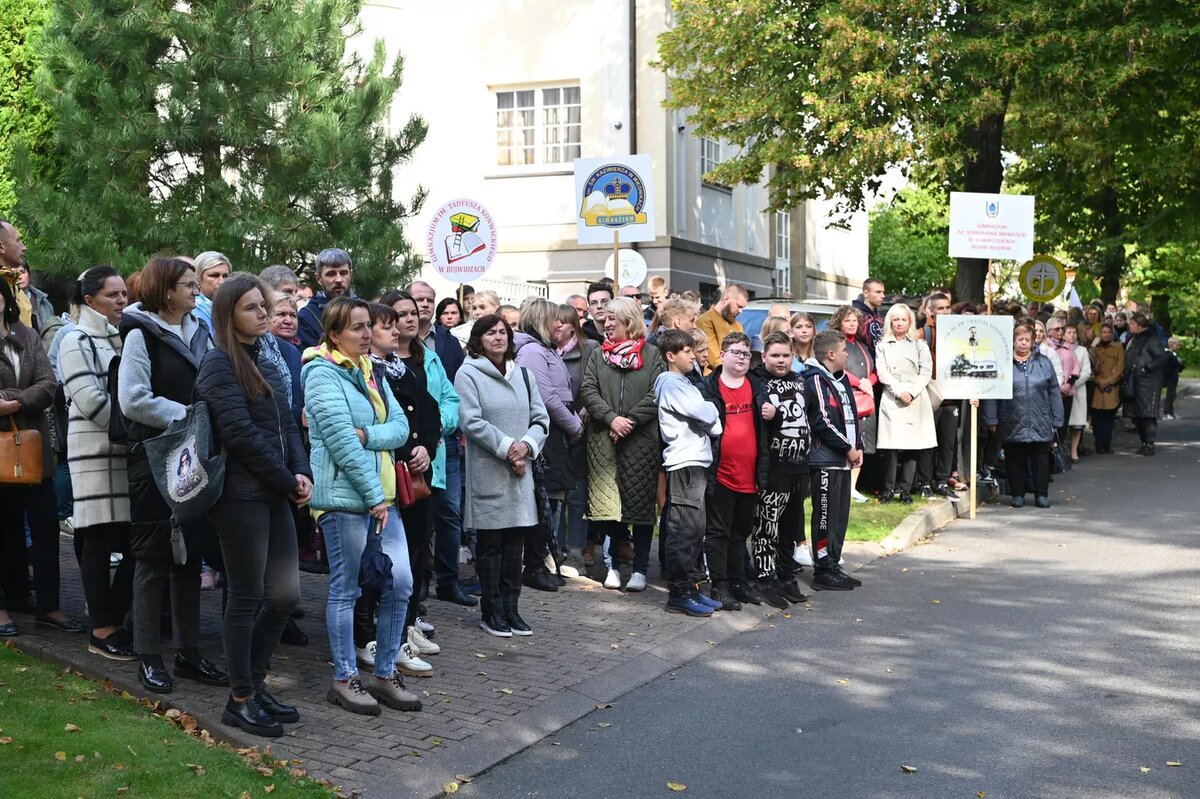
1112	261
983	172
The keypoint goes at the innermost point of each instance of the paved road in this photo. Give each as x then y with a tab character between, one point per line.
1030	653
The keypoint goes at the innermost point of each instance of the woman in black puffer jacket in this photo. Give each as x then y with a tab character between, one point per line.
266	467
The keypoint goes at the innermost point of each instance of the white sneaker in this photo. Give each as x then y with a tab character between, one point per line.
424	626
464	555
613	580
67	526
802	556
420	643
855	496
366	655
637	582
841	561
114	559
570	572
411	664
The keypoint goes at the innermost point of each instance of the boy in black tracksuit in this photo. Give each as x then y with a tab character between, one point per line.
836	448
738	469
781	495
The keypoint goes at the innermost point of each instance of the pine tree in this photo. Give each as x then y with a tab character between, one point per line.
24	119
242	126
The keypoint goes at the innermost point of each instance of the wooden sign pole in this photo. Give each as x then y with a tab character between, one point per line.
974	452
616	263
989	307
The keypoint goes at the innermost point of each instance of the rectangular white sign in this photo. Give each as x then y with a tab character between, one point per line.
996	226
973	357
614	193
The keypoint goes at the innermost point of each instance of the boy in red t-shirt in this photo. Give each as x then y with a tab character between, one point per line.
739	460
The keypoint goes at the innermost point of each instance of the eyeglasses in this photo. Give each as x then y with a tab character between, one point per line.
738	353
191	285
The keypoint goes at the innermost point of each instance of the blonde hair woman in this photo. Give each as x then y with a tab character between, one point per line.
905	367
803	330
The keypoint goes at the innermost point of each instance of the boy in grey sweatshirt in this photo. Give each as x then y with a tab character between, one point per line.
686	422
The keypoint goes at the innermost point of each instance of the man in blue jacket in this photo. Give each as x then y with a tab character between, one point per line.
335	273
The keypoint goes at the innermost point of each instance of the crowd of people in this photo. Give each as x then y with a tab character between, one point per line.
388	442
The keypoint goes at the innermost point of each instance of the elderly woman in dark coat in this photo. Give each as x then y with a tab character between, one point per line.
623	444
1144	362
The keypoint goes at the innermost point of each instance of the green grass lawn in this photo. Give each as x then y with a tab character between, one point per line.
119	749
1190	373
872	521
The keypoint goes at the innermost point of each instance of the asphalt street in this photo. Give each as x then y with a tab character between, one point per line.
1029	653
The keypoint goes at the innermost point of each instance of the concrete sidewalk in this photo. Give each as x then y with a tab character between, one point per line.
489	698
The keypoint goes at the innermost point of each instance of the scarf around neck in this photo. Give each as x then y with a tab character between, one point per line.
625	354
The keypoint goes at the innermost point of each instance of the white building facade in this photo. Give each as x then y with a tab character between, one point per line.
514	90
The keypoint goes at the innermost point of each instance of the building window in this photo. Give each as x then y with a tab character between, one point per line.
538	126
710	155
783	236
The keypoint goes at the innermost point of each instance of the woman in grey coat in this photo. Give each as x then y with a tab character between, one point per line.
99	479
506	424
1027	421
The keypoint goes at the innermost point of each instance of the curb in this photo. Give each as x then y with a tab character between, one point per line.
921	523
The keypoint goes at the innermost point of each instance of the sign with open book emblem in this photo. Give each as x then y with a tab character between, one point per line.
461	240
613	195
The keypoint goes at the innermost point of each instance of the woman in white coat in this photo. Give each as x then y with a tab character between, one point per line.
906	427
1079	409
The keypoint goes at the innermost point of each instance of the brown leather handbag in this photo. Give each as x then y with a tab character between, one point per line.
20	456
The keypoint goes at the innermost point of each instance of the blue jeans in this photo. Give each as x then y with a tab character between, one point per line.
448	517
62	489
577	525
346	541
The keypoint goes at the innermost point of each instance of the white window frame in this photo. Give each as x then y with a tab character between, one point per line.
783	252
711	156
547	137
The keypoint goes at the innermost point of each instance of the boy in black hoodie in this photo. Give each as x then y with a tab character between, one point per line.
786	485
836	448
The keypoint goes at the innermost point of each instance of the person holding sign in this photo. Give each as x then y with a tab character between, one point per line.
905	367
1027	422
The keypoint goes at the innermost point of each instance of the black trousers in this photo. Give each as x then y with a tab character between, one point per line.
899	469
498	562
729	522
1064	432
151	577
791	530
682	533
1022	459
1169	399
830	516
109	594
418	531
1147	430
934	465
1103	421
258	544
37	504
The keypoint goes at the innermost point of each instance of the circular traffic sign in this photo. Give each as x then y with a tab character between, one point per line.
1043	278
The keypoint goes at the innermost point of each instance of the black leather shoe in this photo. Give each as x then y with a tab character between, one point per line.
251	717
944	490
284	714
926	492
453	592
1018	502
67	626
155	677
518	625
888	496
111	647
202	670
905	498
540	581
293	635
1041	500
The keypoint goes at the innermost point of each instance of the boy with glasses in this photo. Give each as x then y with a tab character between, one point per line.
740	458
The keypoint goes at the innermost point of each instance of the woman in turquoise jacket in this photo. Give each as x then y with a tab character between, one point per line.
354	423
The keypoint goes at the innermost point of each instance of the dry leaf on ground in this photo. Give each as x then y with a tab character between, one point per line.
908	769
676	786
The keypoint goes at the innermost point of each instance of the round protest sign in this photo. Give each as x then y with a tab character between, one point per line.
1043	278
461	240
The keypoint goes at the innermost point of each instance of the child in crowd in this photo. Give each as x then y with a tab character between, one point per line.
836	449
740	460
776	530
686	422
1171	374
700	350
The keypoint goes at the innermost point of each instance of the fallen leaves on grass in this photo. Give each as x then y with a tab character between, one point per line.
73	728
197	768
61	757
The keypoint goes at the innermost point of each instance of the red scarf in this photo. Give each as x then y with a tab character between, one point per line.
625	354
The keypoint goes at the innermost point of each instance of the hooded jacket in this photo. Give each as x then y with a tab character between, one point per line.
158	370
831	416
687	422
348	475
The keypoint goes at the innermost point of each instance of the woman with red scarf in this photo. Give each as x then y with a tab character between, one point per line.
860	371
623	447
